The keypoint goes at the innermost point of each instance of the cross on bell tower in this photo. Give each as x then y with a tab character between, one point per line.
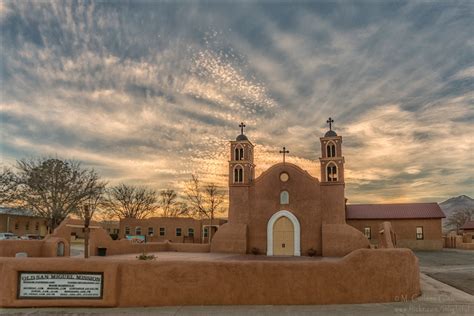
284	152
241	125
330	121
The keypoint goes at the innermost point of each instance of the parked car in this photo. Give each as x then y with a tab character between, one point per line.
5	236
30	237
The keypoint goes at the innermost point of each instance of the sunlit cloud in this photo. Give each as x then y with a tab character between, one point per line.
151	93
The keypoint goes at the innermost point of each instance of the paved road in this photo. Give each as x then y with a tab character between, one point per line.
451	266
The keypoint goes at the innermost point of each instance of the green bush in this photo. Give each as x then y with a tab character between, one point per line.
144	256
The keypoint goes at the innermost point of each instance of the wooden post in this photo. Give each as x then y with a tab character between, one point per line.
86	231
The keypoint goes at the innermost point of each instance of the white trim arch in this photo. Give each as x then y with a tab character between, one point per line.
237	152
243	173
331	143
332	164
297	231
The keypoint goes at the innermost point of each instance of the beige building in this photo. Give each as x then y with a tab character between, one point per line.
417	225
16	222
174	229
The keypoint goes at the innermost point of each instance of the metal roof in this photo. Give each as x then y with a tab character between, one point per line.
394	211
468	225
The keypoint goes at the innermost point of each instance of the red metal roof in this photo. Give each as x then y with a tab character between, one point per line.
394	211
468	225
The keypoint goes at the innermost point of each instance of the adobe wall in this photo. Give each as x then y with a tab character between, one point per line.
230	238
34	248
364	276
99	238
341	239
406	232
9	222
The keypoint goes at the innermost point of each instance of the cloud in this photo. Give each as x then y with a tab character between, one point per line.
151	93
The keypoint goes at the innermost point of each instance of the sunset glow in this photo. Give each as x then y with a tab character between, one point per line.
149	93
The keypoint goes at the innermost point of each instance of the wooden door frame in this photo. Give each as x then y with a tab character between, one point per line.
296	231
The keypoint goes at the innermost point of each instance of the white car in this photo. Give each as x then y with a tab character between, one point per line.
8	236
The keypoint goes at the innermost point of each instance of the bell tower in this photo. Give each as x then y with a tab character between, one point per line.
332	161
241	166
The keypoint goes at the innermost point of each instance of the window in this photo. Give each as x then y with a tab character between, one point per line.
27	226
332	172
162	231
37	226
191	232
151	231
116	231
367	232
331	150
238	174
239	153
138	230
206	232
127	230
419	233
17	226
178	232
284	197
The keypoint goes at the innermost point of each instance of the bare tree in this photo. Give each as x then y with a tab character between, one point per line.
205	201
459	218
87	210
53	188
128	201
167	202
7	186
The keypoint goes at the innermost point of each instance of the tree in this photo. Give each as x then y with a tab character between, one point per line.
459	218
170	206
7	186
53	188
205	200
128	201
86	212
167	202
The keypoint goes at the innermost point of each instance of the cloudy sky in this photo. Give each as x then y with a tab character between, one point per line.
150	92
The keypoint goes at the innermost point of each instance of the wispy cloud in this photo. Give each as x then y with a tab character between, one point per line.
152	92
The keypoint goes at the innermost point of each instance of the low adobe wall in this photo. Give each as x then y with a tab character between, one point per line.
230	238
364	276
341	239
33	248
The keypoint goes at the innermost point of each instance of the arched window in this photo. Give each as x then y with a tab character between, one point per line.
284	197
239	153
331	150
238	174
331	172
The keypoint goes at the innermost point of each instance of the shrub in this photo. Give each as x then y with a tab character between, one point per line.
114	236
311	252
254	251
144	256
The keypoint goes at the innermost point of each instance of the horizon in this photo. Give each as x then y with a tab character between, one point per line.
150	93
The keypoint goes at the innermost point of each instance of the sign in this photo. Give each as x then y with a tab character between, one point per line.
71	285
137	239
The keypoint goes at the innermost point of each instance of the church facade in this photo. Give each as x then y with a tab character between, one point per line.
287	211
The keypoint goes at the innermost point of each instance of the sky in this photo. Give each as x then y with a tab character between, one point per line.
150	92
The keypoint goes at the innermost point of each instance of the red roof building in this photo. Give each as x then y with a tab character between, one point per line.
417	225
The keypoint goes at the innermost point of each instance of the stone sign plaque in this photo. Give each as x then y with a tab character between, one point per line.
57	285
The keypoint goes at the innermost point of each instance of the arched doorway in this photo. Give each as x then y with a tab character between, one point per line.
283	235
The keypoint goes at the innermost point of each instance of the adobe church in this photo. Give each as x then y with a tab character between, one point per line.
287	211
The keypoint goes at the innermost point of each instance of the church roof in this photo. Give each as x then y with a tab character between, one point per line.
394	211
330	133
468	225
241	137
